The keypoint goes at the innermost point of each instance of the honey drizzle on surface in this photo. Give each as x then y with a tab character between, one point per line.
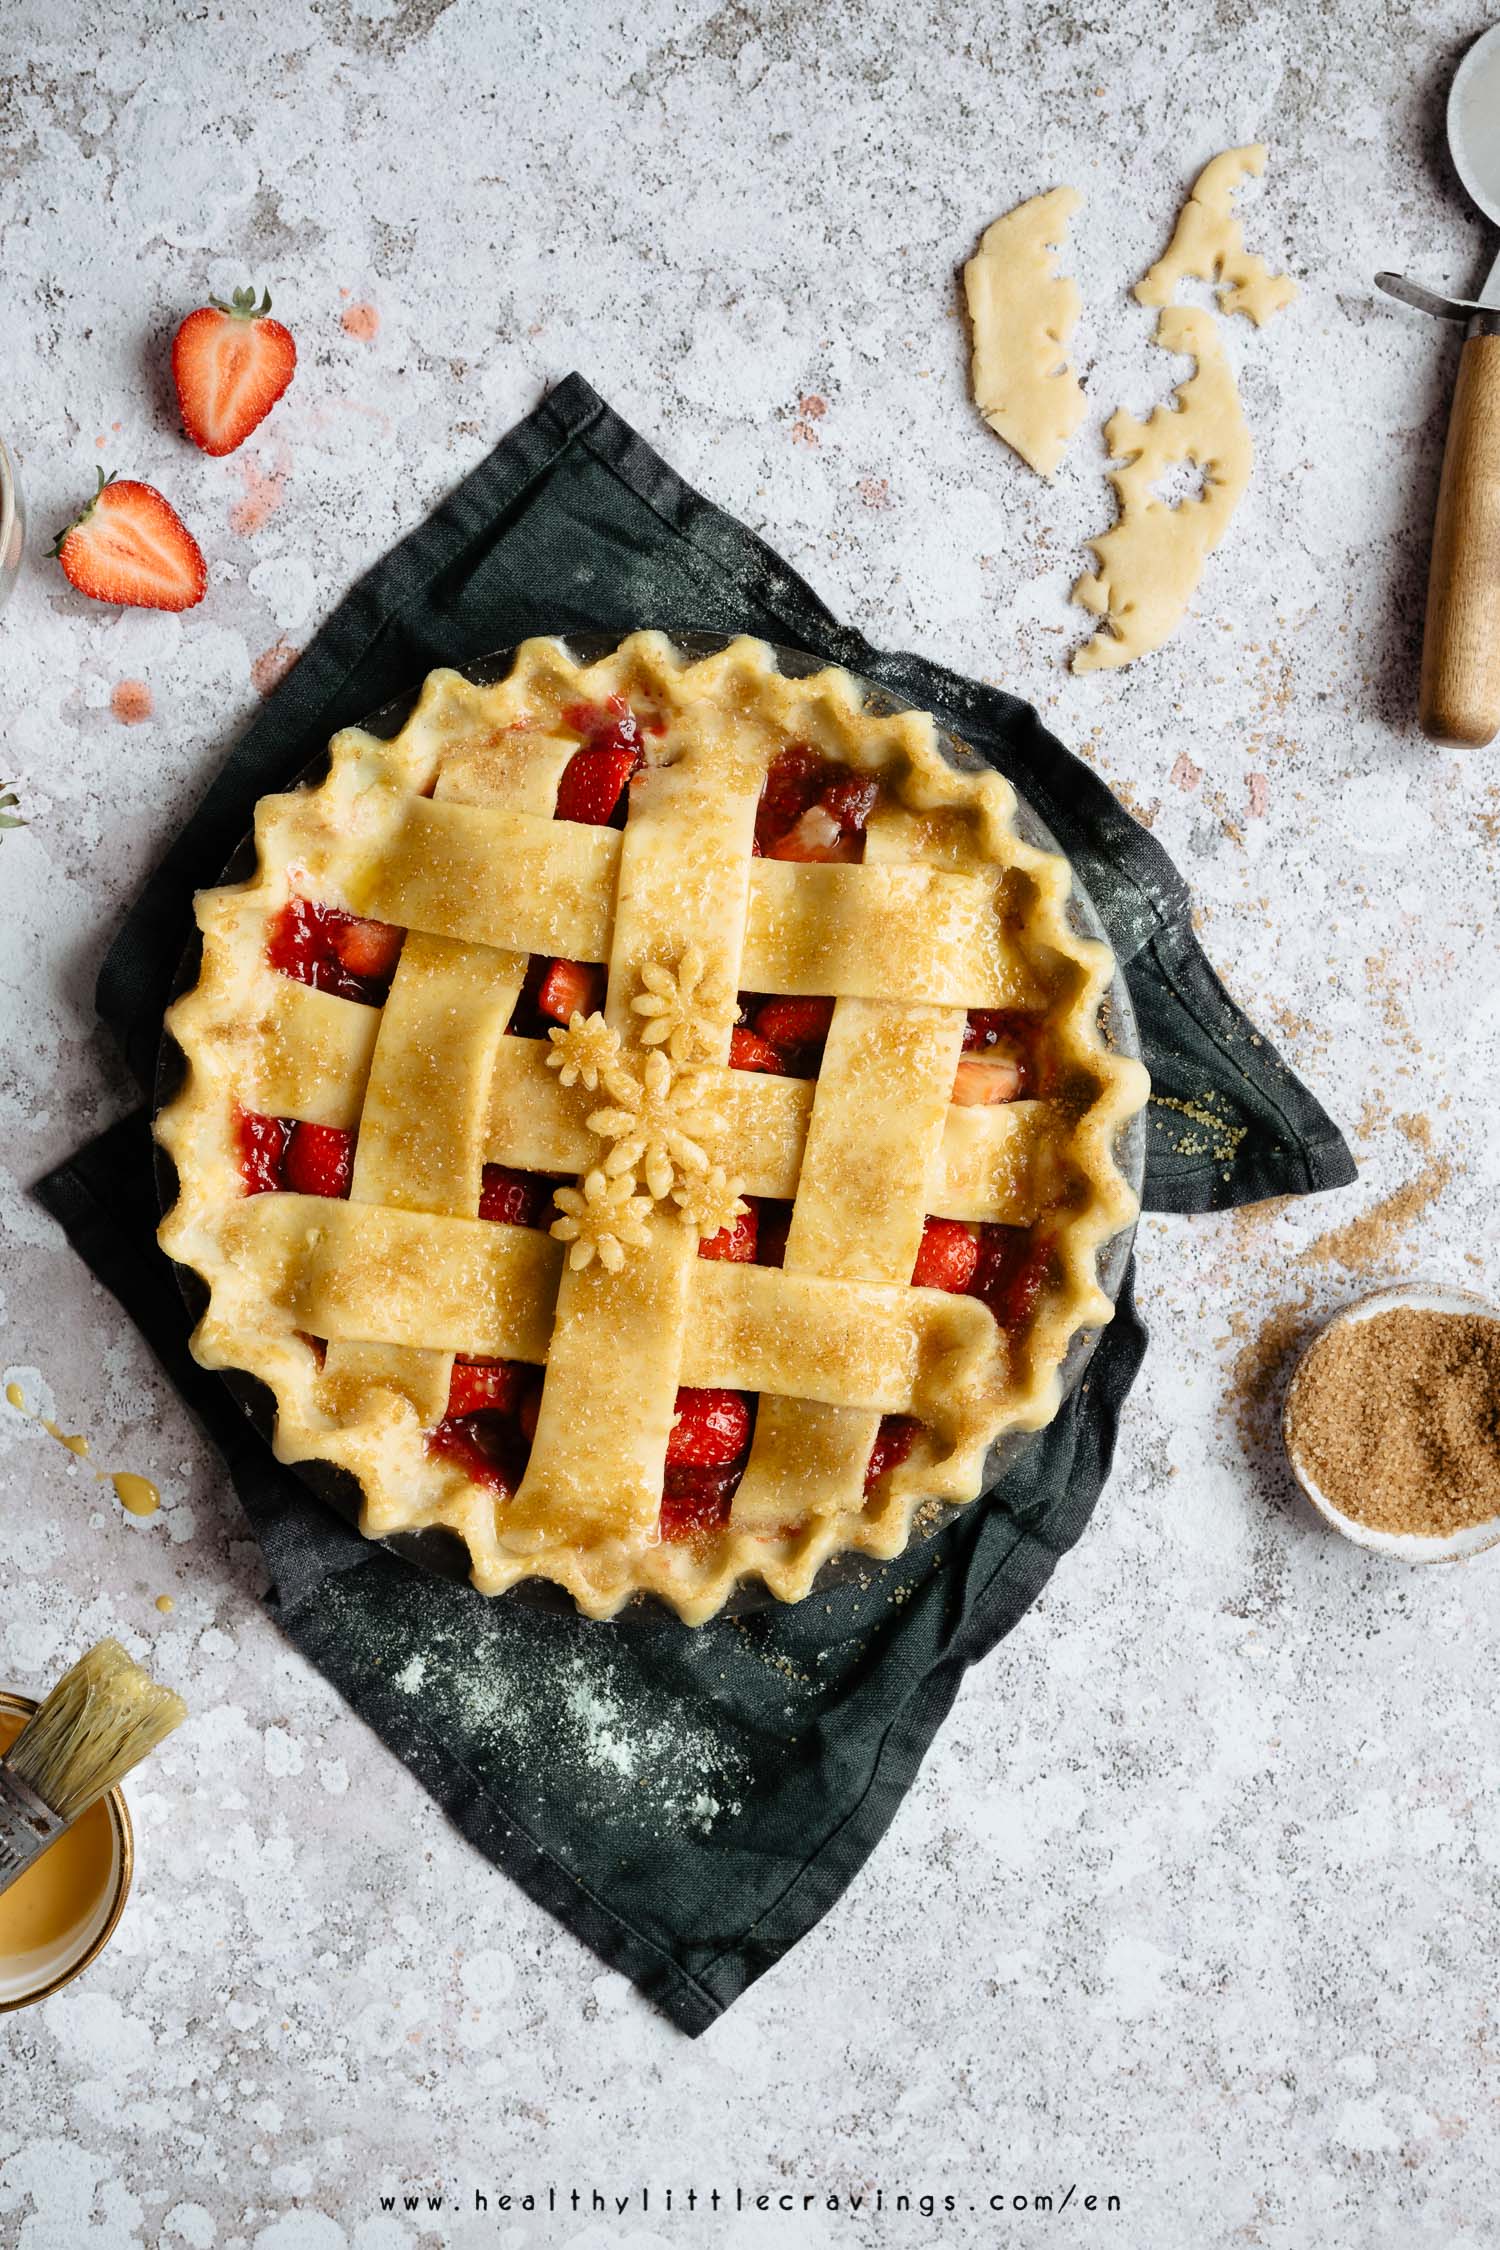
137	1495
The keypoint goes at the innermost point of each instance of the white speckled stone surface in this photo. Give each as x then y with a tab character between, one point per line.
1196	1900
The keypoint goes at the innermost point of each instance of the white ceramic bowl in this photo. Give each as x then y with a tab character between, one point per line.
12	525
1407	1546
36	1976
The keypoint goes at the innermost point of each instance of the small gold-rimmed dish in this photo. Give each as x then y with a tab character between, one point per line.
1406	1546
26	1978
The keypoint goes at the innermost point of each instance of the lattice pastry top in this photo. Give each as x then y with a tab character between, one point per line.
651	1118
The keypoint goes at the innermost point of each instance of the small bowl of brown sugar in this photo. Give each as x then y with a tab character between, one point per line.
1392	1422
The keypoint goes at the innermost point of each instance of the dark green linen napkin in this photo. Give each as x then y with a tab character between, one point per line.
687	1802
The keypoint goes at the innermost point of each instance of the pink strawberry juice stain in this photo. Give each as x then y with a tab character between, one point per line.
361	321
131	702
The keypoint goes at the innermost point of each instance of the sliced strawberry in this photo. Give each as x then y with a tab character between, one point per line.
794	1026
319	1160
592	783
851	801
610	725
130	547
487	1447
369	950
263	1143
983	1079
736	1243
485	1385
569	989
897	1434
1014	1267
323	946
773	1219
948	1256
748	1051
695	1501
710	1428
817	839
515	1199
230	364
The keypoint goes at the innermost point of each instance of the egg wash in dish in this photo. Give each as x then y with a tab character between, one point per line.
650	1117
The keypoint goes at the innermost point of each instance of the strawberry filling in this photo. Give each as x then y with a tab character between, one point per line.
812	808
695	1502
894	1440
334	951
490	1422
278	1154
1013	1267
515	1199
738	1243
748	1051
948	1256
570	988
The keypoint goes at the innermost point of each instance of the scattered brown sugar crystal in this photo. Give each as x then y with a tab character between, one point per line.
1397	1420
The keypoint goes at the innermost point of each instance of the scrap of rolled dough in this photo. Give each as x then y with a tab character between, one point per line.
1024	312
1208	244
1149	562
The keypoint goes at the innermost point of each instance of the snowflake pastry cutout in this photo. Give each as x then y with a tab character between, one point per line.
586	1051
709	1202
602	1220
674	1006
647	1128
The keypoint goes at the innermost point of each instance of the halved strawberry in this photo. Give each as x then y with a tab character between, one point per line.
947	1257
319	1160
695	1501
591	784
367	949
711	1427
515	1199
230	364
983	1079
736	1243
794	1025
894	1440
263	1143
131	547
569	989
485	1386
748	1051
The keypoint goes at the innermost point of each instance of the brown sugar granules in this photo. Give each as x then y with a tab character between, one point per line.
1397	1420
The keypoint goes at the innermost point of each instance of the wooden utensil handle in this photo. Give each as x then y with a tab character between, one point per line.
1460	694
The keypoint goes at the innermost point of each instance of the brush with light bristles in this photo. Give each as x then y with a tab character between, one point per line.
99	1722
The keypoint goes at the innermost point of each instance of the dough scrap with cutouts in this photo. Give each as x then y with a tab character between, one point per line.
1149	562
1208	244
1024	313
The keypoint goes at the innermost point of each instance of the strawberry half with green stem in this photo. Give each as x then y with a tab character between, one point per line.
130	546
231	364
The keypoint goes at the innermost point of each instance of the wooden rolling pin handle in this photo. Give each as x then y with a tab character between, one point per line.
1460	693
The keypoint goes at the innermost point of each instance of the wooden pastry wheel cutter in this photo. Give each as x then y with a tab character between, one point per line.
1460	693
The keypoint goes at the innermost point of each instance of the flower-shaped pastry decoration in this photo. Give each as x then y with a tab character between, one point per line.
647	1128
585	1051
677	1008
709	1202
602	1220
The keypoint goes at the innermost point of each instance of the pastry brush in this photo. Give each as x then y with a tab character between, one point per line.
102	1718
